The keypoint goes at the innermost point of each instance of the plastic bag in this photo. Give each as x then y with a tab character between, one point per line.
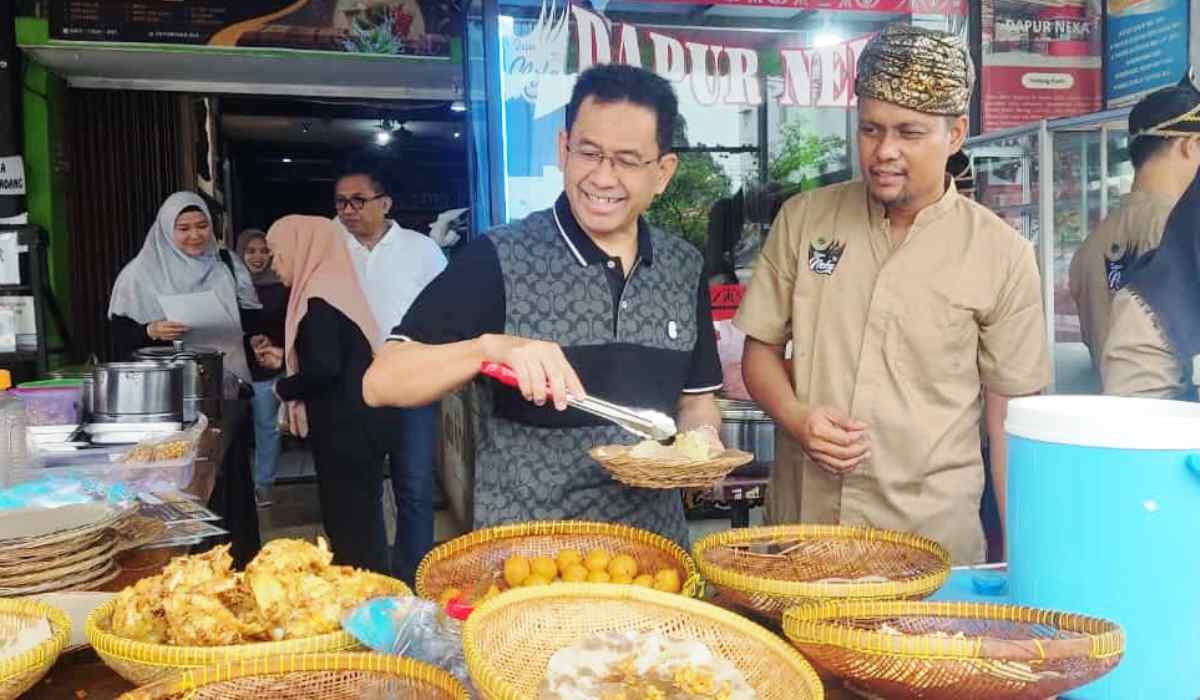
730	342
411	627
57	491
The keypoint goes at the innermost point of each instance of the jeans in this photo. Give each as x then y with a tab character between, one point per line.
412	464
266	433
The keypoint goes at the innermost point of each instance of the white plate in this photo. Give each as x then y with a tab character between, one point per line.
77	605
128	438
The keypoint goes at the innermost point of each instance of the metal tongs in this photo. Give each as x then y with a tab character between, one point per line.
651	425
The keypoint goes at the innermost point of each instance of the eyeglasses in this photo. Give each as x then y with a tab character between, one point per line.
355	203
626	162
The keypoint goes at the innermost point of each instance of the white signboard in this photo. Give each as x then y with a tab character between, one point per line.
12	176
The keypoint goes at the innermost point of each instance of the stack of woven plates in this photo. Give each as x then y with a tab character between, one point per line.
68	548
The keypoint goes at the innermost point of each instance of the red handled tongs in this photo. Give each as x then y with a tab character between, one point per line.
651	425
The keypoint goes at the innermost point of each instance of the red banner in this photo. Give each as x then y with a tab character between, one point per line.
907	7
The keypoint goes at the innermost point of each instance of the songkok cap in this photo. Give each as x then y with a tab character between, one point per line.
921	69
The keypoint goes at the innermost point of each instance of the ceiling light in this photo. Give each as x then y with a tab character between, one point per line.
287	160
383	138
826	38
458	106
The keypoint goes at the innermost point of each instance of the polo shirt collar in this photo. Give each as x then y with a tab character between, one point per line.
583	247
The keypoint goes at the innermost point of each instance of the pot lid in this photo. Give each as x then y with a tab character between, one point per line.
181	352
739	409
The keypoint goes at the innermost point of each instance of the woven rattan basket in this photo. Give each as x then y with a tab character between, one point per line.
141	663
948	651
326	676
509	640
21	672
815	563
462	562
667	473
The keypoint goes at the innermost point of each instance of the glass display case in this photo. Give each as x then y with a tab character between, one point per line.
1055	181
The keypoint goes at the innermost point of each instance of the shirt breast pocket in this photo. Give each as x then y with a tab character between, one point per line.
936	342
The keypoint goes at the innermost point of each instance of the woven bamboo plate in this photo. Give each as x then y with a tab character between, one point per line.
101	573
948	651
333	676
462	562
766	570
21	672
509	640
667	473
50	569
58	525
141	663
57	558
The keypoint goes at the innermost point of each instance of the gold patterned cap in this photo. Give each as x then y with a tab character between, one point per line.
1171	111
921	69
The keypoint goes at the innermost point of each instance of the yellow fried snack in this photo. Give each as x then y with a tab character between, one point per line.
288	591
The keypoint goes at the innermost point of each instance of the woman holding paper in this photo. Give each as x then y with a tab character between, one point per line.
181	268
328	345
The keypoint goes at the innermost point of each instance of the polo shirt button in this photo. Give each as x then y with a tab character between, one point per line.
624	305
611	264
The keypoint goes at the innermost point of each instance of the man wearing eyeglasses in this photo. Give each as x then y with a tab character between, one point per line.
394	264
584	294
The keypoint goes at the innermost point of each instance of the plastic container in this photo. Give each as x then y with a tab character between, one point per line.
12	430
1103	514
51	405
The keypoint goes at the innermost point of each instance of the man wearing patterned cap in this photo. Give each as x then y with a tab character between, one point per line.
905	303
1165	152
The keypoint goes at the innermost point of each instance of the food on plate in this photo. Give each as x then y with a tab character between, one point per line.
161	452
700	444
290	590
635	665
567	566
18	638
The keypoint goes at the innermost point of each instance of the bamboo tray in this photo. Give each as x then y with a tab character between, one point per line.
21	672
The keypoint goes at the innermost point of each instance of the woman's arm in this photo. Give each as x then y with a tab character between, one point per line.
128	335
319	353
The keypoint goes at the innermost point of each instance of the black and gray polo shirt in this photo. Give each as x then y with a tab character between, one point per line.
641	339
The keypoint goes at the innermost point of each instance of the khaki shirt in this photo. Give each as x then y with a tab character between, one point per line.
1138	359
1098	267
902	338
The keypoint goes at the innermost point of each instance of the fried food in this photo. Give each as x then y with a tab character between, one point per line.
696	445
289	591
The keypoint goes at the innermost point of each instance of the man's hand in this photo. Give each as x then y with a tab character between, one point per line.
166	330
260	341
831	438
269	357
541	367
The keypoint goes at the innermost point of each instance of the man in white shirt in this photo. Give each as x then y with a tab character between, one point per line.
394	264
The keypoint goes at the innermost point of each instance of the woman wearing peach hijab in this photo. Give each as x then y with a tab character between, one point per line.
327	349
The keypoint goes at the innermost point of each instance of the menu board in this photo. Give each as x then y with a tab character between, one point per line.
381	27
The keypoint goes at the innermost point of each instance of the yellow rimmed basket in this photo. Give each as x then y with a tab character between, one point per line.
336	676
815	563
141	663
21	672
678	473
509	640
947	651
461	563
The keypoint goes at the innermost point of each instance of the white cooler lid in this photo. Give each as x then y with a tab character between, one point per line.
1114	422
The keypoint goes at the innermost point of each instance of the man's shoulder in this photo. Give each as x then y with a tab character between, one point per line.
674	248
835	195
541	221
986	225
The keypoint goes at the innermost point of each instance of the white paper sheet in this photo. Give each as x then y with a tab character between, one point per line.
10	270
200	311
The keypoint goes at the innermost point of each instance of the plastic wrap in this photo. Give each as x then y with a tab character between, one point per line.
411	627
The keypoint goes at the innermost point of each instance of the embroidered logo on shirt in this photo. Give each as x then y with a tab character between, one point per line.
824	255
1116	261
672	330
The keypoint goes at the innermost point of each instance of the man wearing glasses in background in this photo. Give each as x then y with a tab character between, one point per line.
394	264
584	294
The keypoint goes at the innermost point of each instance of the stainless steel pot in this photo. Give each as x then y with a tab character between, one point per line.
746	427
203	374
137	392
